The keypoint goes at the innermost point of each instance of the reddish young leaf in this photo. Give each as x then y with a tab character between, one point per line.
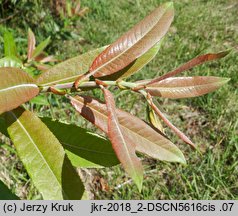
192	63
135	65
184	87
16	88
50	58
167	122
147	140
132	44
31	44
123	146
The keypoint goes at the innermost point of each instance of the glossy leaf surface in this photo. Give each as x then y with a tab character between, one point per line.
122	144
84	149
43	157
147	140
184	87
68	70
16	88
134	43
136	65
190	64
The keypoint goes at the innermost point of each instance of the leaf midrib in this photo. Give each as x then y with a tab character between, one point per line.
120	54
18	86
126	128
34	144
114	117
186	87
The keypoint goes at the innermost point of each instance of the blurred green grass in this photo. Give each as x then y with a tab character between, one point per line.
211	121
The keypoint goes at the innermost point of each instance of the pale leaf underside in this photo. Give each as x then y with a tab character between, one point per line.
43	157
184	87
68	70
190	64
16	88
147	140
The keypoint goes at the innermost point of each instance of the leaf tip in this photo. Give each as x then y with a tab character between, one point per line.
139	182
169	5
181	159
225	53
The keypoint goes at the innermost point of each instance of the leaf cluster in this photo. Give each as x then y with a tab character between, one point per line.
50	150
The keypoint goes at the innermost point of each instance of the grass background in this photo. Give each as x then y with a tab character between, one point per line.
211	121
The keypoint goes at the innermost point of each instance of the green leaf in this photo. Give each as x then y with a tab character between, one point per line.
16	88
84	149
6	194
185	87
147	140
9	44
136	65
122	144
154	119
167	122
43	157
68	70
10	61
134	43
40	100
40	48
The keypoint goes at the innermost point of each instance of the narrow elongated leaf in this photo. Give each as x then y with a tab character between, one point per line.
5	193
134	43
123	146
40	48
184	87
167	122
84	149
43	157
68	70
9	44
10	61
190	64
136	65
31	44
16	88
147	140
